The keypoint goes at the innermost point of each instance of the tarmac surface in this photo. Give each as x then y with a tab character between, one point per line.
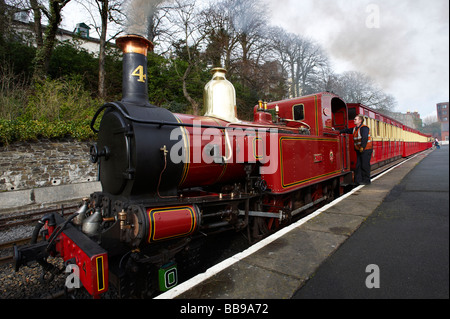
407	238
387	240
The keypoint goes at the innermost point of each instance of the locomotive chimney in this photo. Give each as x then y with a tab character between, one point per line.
134	80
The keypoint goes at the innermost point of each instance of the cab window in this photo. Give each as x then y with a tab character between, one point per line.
298	111
351	114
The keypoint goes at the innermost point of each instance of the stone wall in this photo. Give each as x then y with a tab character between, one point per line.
25	165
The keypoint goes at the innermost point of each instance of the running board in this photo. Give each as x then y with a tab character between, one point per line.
280	214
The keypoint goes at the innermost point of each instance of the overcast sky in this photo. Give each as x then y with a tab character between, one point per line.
401	44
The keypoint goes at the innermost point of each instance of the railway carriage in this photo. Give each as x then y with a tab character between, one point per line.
391	139
414	141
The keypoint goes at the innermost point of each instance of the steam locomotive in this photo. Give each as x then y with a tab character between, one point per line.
168	179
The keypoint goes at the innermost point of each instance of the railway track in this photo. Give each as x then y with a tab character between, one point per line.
31	216
25	218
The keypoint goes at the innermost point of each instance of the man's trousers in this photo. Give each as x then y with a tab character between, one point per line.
362	170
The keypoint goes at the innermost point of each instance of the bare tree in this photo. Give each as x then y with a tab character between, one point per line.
187	18
303	60
37	26
387	103
222	38
103	8
282	44
249	21
108	11
311	58
356	87
324	80
45	48
429	120
3	17
158	25
8	11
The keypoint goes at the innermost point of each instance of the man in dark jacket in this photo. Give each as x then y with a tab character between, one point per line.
363	148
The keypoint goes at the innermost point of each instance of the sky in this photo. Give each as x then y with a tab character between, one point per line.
403	45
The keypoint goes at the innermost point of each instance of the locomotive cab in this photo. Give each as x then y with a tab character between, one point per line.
316	114
339	114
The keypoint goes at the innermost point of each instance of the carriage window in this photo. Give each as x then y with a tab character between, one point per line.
373	127
298	112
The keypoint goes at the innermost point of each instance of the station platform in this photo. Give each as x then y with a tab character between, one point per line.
389	239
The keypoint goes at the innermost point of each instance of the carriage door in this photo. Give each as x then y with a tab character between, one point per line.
340	121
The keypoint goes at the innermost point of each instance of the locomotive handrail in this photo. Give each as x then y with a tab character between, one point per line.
160	123
165	123
296	121
133	119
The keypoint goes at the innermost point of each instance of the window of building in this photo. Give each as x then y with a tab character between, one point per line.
82	29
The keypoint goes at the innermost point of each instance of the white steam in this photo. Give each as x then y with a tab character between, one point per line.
406	52
138	13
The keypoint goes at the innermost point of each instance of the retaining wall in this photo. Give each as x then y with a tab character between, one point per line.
43	163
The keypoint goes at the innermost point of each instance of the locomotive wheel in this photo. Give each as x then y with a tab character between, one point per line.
263	227
272	223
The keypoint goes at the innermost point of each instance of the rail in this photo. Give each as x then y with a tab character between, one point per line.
24	218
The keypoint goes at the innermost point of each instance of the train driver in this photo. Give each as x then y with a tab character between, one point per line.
363	148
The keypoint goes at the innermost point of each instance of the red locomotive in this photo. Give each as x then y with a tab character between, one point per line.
170	178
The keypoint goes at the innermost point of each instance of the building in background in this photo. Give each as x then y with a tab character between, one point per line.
23	26
442	114
411	119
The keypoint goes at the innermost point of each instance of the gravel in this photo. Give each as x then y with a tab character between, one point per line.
17	232
27	284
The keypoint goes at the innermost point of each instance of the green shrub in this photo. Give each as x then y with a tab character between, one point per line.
64	100
53	109
13	90
25	130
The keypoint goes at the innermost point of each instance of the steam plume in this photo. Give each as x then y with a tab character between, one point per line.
138	14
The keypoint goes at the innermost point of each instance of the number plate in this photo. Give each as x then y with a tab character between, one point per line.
168	276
